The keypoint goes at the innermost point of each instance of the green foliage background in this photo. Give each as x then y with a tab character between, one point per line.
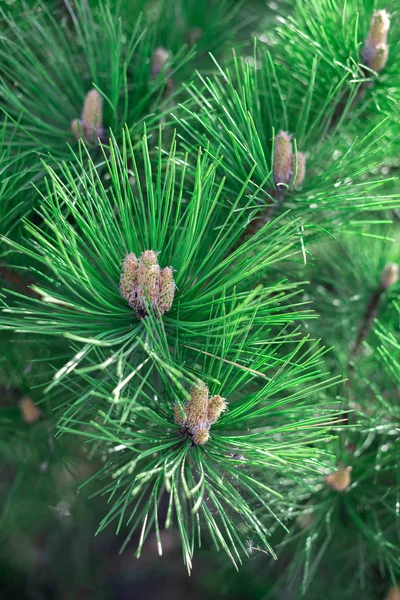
280	306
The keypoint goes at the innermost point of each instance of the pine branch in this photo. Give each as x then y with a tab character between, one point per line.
78	269
46	99
238	115
214	481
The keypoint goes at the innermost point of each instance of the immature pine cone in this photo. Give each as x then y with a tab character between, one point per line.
90	126
29	411
285	161
144	285
339	480
160	58
393	594
390	275
376	50
199	413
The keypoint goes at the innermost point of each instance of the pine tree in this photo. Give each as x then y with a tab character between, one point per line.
199	307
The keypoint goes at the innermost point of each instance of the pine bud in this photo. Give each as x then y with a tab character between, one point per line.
196	410
375	52
91	123
160	58
194	35
179	415
144	285
167	290
301	170
92	114
29	411
390	275
216	405
379	28
379	59
149	282
393	594
339	480
199	413
76	129
201	435
283	158
128	281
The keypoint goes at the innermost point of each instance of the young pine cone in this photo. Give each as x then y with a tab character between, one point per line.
145	286
90	126
285	162
376	50
339	480
199	413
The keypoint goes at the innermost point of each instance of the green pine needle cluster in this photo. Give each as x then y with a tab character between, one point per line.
189	216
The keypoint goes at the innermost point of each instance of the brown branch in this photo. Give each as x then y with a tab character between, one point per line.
389	277
266	215
17	282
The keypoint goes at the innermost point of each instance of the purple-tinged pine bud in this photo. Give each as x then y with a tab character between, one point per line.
339	480
379	59
29	411
194	36
216	405
199	413
160	58
149	281
92	114
129	280
197	407
76	128
144	286
179	415
390	275
167	290
301	170
393	594
201	435
90	125
379	28
376	51
283	158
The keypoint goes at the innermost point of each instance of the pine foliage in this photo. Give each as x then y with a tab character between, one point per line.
200	277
